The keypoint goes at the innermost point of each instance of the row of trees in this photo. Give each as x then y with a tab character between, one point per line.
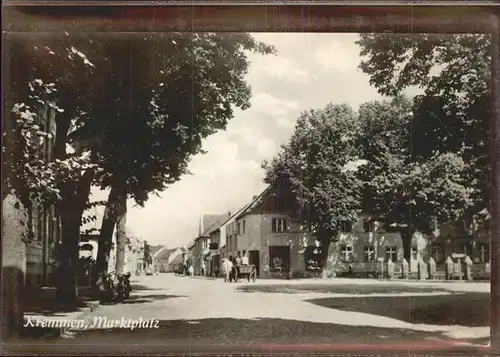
412	163
129	109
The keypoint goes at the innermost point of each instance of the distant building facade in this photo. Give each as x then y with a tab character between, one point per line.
202	259
167	260
368	241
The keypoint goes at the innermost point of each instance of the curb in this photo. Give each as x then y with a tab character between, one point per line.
60	323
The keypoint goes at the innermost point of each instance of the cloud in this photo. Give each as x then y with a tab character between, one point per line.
264	102
220	181
282	69
286	122
338	56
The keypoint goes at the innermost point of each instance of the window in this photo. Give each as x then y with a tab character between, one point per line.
391	253
243	225
437	253
239	228
279	225
346	226
369	225
346	252
484	252
369	253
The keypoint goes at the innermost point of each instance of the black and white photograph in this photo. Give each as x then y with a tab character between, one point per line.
251	190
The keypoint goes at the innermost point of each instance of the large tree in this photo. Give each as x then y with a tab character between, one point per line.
451	115
407	192
168	91
319	166
134	108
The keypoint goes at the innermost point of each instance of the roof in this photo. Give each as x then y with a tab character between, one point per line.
177	259
242	210
256	200
216	225
211	222
164	253
154	248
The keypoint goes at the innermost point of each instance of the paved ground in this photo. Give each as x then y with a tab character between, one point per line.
196	313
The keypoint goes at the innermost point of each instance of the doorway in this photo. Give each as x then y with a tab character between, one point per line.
254	258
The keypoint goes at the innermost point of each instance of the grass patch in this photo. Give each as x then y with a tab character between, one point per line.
465	309
339	289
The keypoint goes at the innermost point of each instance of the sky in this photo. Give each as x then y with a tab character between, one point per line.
309	71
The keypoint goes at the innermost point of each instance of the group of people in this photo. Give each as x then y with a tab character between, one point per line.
232	265
187	270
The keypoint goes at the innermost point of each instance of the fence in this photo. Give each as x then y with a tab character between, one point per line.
454	268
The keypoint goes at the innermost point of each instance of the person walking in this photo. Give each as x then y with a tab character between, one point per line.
227	266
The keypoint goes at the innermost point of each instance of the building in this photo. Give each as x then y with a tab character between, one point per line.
368	241
167	260
266	231
152	251
41	232
201	251
188	254
134	256
89	244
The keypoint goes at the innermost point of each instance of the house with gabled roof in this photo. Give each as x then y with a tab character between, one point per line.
266	232
201	251
168	260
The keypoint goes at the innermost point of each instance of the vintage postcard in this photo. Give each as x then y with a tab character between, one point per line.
255	179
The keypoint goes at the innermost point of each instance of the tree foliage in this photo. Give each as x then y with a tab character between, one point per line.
170	91
451	116
319	166
136	107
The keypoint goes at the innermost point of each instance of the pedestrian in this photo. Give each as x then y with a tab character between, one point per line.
191	270
228	267
244	259
238	264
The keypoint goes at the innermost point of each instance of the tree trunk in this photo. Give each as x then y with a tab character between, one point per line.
121	235
106	234
71	208
406	237
67	290
325	265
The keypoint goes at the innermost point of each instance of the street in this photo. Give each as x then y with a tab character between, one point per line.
196	312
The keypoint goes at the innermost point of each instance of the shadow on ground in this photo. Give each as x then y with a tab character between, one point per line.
141	299
181	336
465	309
139	287
52	309
338	289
